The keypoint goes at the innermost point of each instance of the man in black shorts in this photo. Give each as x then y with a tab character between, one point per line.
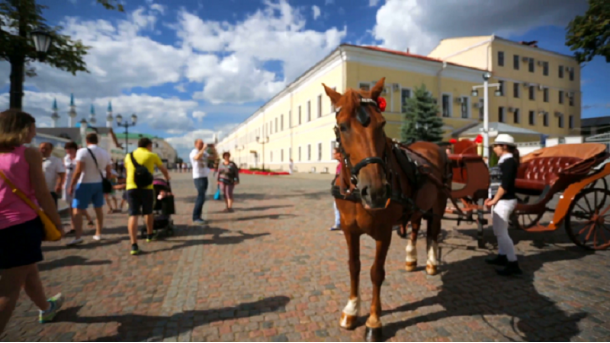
141	199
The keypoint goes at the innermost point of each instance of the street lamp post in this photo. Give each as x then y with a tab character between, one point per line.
263	142
83	132
126	125
42	42
485	130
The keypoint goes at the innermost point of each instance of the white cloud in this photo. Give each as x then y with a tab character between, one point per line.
199	115
328	2
420	25
275	33
373	3
316	12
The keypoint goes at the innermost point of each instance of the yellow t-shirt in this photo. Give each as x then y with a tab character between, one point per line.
145	158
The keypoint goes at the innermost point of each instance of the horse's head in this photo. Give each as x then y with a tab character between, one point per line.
360	132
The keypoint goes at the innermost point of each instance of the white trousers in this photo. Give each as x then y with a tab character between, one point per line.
337	215
501	215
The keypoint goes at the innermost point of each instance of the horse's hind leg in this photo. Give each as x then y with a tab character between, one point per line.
411	262
373	324
434	229
350	312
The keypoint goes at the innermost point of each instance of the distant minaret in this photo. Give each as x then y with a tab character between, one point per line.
54	115
109	117
92	119
72	112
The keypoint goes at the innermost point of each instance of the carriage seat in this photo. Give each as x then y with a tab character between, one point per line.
542	171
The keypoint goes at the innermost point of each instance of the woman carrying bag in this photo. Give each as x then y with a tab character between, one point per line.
23	225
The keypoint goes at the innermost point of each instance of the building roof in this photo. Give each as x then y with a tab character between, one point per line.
501	128
73	133
597	121
408	54
134	135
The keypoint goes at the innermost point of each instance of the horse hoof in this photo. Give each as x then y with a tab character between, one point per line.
431	269
372	334
348	322
410	266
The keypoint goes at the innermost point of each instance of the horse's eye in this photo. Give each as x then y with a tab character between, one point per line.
342	127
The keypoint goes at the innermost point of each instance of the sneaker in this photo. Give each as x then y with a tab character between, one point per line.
512	268
135	250
335	228
150	238
97	238
48	315
71	232
75	241
200	222
499	260
90	223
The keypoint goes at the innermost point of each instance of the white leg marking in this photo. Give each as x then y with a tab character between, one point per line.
411	251
351	309
432	251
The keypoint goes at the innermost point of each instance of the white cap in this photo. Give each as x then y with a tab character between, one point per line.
503	138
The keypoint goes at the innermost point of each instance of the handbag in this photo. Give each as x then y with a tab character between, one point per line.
51	233
106	184
217	194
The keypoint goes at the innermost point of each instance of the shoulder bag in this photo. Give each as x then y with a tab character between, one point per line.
106	184
51	233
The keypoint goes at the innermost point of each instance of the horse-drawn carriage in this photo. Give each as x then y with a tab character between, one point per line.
574	172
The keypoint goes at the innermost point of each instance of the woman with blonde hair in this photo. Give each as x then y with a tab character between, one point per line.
21	230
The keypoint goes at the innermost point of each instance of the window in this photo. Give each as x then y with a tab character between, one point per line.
560	121
364	86
516	89
308	110
404	95
532	118
516	118
282	123
561	72
308	152
545	68
571	122
332	106
319	151
270	156
290	153
501	114
299	115
481	110
530	65
516	62
289	119
319	106
545	119
545	94
501	88
571	74
532	91
571	99
501	58
561	97
299	154
281	155
464	107
446	105
275	125
332	150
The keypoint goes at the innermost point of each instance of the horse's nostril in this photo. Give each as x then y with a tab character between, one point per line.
364	191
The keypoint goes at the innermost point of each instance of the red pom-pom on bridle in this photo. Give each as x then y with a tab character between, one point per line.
381	103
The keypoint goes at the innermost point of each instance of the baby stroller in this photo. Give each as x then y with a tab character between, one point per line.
162	210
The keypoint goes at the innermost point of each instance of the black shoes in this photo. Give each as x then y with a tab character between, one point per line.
512	268
499	260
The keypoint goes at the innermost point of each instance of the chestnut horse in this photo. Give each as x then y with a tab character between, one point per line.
376	191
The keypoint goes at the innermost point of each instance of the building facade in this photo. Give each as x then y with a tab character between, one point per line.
166	152
297	123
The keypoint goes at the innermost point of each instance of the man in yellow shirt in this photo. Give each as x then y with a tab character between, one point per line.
141	199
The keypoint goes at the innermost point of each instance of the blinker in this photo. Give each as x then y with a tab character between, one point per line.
363	116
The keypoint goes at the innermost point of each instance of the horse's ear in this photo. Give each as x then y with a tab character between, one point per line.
332	94
377	89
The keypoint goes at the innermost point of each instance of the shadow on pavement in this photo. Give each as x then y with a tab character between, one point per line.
266	196
133	327
261	208
216	239
268	216
70	261
89	244
472	288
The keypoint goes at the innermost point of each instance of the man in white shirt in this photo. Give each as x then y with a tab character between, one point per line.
54	171
199	161
86	185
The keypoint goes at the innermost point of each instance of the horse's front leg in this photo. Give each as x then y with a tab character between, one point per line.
349	315
434	229
411	262
373	324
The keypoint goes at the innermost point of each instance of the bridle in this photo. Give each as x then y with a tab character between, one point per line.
364	118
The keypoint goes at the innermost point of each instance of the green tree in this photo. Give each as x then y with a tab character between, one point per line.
421	121
18	19
589	34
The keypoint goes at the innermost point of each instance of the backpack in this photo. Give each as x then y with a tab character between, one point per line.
142	177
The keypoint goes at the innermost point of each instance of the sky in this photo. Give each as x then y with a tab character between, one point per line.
192	68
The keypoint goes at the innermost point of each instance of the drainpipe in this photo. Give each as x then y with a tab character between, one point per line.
439	79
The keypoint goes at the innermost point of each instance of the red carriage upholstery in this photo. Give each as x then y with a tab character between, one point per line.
535	174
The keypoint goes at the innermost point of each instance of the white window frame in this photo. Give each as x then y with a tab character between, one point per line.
282	122
270	156
534	93
571	121
308	111
332	107
560	122
300	113
300	155
528	118
368	84
468	111
281	155
518	112
450	105
410	96
503	114
290	119
518	88
320	150
319	106
309	152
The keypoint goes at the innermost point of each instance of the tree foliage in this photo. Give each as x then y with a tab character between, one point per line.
589	35
19	18
421	120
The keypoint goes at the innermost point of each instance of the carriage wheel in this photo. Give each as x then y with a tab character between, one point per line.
599	183
588	219
524	221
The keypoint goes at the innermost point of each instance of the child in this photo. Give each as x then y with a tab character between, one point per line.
337	226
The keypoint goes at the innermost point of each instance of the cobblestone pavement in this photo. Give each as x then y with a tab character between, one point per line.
271	271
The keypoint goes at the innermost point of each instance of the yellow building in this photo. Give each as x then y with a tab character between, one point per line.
297	123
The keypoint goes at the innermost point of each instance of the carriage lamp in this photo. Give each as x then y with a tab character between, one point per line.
42	42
